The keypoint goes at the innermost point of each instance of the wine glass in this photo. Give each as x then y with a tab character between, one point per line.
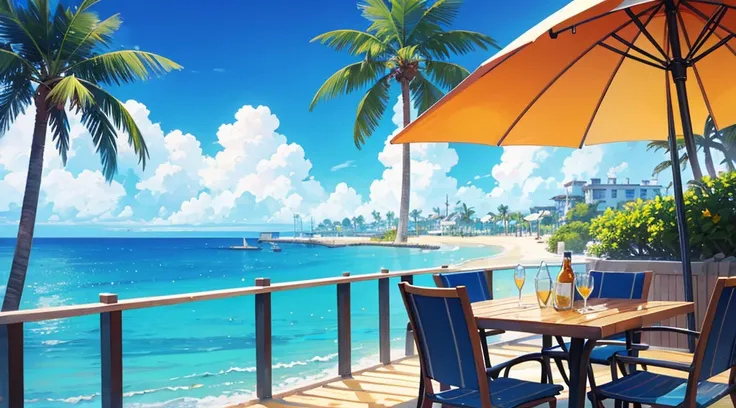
543	287
519	278
584	284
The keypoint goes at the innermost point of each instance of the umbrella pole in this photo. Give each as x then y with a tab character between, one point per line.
678	69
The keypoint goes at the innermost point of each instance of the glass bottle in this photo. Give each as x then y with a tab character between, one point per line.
543	285
564	286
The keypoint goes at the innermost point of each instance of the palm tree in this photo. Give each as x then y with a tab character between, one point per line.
327	224
415	214
360	221
57	61
390	216
503	214
436	210
406	43
711	139
376	218
466	213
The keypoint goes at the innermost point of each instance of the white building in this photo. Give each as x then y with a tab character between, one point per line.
611	194
573	194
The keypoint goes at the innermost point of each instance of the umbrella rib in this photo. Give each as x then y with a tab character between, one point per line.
559	75
708	29
705	18
695	69
642	30
711	3
631	46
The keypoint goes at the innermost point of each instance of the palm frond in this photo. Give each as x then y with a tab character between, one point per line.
446	74
442	45
11	63
661	167
424	93
348	79
658	145
75	27
440	13
104	138
122	119
382	21
18	28
16	94
406	14
370	110
124	66
355	42
98	34
70	89
60	131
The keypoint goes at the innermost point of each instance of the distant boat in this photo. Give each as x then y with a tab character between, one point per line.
275	248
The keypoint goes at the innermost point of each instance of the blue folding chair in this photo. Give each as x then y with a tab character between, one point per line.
479	285
611	285
448	345
715	352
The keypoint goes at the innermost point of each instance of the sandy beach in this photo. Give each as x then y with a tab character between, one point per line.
527	250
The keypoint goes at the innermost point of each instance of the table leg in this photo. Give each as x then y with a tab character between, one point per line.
546	343
579	363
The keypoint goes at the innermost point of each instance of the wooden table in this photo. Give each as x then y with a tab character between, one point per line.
610	316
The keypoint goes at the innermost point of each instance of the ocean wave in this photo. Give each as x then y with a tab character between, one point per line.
54	342
74	400
252	369
152	390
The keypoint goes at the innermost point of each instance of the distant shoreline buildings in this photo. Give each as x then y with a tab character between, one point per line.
606	195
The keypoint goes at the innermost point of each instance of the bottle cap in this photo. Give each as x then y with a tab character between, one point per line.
567	254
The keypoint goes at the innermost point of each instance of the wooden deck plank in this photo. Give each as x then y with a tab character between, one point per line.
395	385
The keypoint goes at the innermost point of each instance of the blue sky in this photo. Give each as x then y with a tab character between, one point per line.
234	145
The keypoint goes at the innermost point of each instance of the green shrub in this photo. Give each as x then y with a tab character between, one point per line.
648	229
387	236
575	235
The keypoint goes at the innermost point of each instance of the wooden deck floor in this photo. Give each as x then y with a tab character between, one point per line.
396	385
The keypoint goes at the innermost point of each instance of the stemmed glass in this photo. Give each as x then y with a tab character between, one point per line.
543	286
519	278
584	284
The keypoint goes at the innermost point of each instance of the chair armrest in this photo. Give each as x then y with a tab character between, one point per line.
634	346
678	330
494	371
649	362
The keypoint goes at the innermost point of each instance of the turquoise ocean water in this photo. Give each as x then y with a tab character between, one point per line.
203	354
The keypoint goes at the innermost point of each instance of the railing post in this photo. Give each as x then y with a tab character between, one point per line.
111	354
263	342
409	338
384	320
11	365
343	329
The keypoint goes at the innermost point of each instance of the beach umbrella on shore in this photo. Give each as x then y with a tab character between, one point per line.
601	71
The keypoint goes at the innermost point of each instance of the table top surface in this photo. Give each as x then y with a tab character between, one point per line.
608	317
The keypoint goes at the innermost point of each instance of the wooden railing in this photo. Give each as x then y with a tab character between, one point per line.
110	309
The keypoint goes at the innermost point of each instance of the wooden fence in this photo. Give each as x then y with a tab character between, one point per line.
110	309
669	285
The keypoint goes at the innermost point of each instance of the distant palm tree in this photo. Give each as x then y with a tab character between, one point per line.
390	219
415	214
376	218
57	61
466	214
406	43
436	210
360	221
503	214
327	223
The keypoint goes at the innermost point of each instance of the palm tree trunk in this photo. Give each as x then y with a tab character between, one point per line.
23	243
709	162
402	231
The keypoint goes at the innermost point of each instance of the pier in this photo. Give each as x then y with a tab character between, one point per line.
346	242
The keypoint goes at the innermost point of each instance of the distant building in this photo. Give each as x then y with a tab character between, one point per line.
611	194
541	208
573	195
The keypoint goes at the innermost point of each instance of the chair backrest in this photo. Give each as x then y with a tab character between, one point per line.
447	337
479	284
620	285
716	348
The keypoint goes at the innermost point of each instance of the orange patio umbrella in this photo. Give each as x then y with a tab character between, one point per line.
600	71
